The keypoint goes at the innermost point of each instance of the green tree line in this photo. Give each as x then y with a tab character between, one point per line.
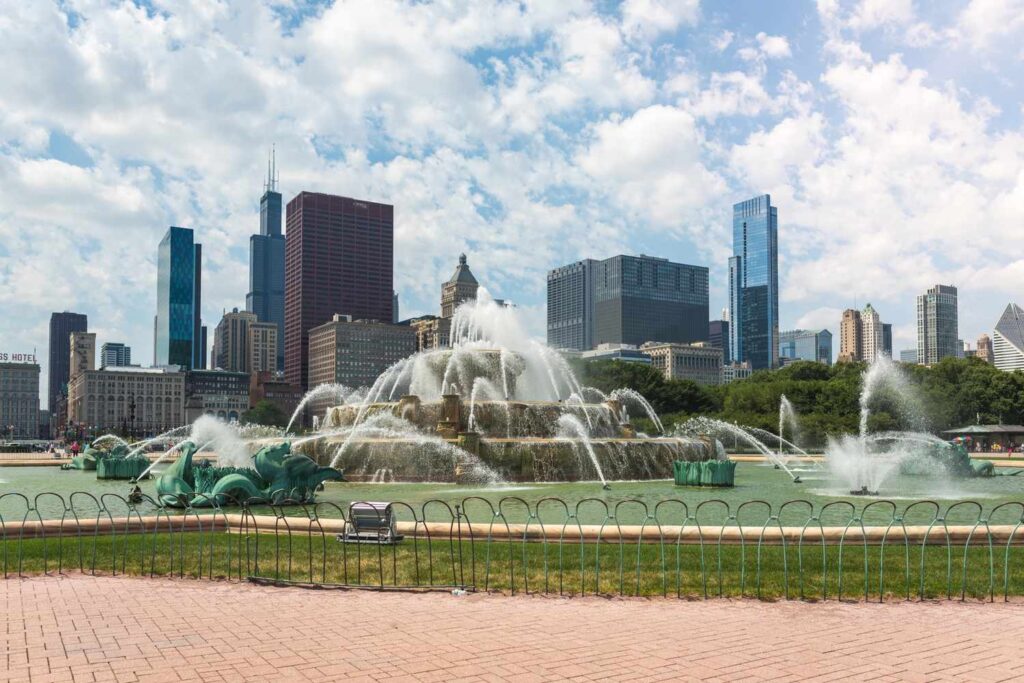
950	394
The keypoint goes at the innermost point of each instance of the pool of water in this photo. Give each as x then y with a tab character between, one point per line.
760	492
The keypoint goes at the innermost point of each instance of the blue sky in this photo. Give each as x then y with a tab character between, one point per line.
888	132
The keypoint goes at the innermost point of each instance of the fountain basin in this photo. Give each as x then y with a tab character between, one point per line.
512	459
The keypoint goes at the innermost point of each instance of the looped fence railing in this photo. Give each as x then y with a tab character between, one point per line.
876	550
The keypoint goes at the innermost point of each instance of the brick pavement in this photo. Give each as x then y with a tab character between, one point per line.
84	628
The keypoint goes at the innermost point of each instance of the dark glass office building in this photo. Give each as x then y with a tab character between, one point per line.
718	336
339	258
626	300
179	334
754	284
61	327
266	265
571	306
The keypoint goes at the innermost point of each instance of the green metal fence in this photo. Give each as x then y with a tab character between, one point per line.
878	550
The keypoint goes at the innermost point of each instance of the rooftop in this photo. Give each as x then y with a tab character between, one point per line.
987	429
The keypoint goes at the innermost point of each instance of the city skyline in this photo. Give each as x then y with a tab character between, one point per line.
710	105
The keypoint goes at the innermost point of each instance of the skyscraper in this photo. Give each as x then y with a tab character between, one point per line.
1008	339
627	300
887	339
871	334
338	259
937	324
643	298
198	328
754	283
851	344
460	287
83	354
570	306
61	327
115	355
718	336
985	349
178	300
231	341
266	262
863	336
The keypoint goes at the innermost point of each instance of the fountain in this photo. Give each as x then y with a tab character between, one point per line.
721	429
495	406
865	462
114	462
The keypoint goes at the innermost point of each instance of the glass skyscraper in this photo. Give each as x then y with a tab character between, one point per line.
754	284
266	263
178	300
937	324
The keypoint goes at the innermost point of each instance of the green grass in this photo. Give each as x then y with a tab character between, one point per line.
569	569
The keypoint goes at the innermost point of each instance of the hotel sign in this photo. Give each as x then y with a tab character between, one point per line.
7	357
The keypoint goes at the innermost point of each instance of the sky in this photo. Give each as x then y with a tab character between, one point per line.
527	134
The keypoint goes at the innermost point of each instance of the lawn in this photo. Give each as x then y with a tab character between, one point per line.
607	568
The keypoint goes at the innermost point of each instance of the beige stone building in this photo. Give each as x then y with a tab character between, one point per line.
434	332
262	348
231	341
984	351
461	286
140	401
355	352
218	393
431	331
851	347
698	362
734	371
19	401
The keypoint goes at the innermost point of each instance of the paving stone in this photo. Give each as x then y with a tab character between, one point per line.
62	628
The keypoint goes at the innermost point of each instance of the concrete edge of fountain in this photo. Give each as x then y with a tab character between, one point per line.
687	535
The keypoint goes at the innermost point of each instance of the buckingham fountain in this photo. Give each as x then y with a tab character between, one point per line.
495	406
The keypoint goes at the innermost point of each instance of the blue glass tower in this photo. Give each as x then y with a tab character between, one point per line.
754	283
179	273
266	262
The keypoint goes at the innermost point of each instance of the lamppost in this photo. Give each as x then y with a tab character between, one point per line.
131	414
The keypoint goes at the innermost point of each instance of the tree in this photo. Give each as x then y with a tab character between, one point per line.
265	413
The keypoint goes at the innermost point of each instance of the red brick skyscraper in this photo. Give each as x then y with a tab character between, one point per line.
338	259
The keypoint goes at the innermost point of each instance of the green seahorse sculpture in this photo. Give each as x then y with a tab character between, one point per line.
278	476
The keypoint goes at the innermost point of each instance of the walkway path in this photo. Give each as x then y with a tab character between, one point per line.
127	629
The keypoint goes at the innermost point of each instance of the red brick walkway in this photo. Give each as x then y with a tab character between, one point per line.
103	629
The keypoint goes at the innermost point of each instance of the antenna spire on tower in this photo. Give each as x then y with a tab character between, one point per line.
273	167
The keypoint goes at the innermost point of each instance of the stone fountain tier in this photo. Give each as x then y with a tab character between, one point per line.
514	459
453	415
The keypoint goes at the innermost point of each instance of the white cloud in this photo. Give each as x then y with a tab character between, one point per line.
825	317
647	18
722	41
983	22
651	163
773	47
732	93
869	14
